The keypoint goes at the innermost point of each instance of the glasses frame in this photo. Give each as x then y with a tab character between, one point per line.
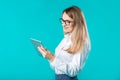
66	22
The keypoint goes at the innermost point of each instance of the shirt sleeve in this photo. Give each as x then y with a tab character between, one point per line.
75	66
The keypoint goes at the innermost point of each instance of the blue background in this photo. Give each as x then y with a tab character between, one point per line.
23	19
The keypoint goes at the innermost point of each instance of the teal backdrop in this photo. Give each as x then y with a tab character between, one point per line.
22	19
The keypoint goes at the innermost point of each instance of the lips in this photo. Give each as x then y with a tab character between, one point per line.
65	28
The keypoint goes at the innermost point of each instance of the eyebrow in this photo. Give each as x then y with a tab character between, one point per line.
66	20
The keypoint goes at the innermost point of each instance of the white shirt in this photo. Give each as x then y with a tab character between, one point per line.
66	63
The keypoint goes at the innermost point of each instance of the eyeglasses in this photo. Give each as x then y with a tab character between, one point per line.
66	22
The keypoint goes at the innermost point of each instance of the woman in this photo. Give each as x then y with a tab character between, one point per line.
72	52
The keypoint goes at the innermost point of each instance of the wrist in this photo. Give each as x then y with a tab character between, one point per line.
52	58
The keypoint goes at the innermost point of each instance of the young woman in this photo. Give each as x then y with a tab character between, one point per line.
71	54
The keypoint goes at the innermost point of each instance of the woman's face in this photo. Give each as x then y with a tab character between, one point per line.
67	23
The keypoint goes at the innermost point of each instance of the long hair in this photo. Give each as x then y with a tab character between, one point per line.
80	33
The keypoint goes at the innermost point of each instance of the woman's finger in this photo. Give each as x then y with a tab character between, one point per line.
43	48
42	51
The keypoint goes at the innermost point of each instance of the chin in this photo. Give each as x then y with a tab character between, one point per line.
66	32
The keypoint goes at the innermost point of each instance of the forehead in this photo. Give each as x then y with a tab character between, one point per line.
66	17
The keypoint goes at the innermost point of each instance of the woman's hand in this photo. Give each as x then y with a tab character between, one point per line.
46	53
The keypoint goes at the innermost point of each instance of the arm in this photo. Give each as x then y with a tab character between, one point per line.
46	53
70	69
75	66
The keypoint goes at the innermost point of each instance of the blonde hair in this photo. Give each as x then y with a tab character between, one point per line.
80	33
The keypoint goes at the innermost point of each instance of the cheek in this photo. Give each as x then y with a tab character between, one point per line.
66	30
70	29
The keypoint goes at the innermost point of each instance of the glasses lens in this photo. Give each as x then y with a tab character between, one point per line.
61	21
67	22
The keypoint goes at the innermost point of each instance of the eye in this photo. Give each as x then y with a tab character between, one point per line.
67	21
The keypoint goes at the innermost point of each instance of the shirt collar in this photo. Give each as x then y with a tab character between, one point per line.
67	35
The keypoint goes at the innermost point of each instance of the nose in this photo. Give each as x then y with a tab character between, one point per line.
63	24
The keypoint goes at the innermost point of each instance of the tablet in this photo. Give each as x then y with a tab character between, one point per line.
36	43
